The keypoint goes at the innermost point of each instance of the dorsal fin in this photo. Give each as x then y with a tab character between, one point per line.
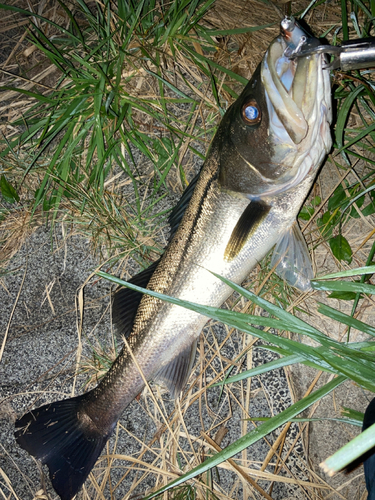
178	211
125	302
250	219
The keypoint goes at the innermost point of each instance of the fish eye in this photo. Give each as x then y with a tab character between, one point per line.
251	114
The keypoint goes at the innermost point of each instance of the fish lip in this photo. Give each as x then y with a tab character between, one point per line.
304	122
279	75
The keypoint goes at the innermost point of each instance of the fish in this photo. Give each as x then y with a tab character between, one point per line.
259	169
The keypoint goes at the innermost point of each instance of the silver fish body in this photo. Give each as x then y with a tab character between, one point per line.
259	169
161	330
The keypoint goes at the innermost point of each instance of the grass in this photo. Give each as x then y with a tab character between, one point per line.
130	98
123	108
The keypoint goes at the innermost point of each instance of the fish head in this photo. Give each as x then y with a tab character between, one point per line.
278	131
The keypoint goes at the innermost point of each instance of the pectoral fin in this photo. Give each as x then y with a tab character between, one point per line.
252	217
175	374
292	258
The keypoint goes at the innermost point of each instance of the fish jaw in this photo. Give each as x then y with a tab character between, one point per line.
293	136
298	95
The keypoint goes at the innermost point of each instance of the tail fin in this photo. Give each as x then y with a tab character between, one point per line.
54	434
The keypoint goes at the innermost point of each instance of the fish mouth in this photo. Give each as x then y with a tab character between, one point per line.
298	95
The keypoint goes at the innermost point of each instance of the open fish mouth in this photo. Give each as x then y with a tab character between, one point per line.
298	95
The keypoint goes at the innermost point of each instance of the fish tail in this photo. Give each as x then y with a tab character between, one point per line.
57	435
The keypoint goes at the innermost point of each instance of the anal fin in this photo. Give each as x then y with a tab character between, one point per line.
292	259
175	374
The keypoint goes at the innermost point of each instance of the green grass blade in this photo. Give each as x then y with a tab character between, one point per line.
321	419
170	85
350	452
345	319
344	20
333	356
230	73
33	95
28	13
342	286
349	272
342	117
363	8
357	138
266	367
